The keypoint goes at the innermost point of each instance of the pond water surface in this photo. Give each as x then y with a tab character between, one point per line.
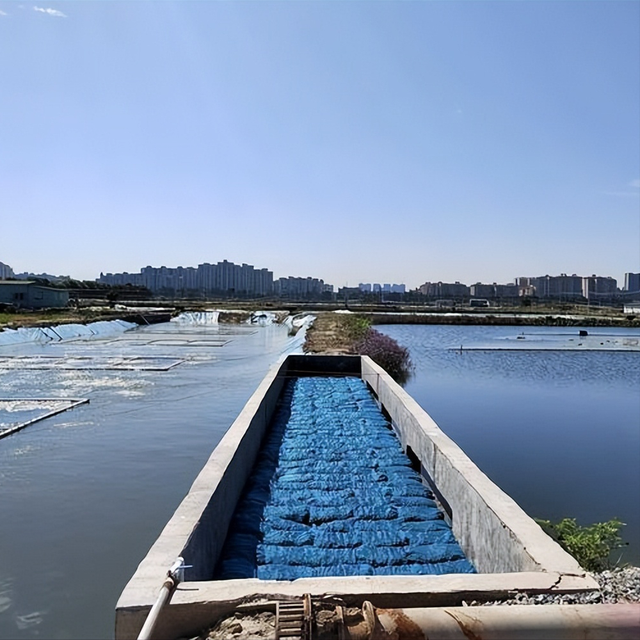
559	431
85	493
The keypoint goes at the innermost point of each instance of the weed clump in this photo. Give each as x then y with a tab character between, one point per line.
591	546
382	349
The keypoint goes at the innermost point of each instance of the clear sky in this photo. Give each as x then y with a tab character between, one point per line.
350	141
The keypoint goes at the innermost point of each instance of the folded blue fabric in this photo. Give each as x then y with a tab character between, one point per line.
333	494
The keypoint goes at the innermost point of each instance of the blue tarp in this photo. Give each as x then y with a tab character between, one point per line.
332	494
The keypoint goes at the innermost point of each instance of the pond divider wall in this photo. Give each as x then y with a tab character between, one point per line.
509	550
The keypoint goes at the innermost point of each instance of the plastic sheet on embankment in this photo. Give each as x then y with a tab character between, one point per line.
332	494
61	332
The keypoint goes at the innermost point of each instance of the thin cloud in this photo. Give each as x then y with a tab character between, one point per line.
621	194
634	184
50	12
2	13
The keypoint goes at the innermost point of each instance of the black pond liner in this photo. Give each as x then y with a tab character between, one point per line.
333	494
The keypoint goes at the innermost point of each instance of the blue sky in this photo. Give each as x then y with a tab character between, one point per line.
351	141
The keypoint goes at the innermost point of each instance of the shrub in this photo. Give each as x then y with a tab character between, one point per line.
591	546
386	352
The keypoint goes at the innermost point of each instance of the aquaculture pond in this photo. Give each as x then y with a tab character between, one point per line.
86	492
333	494
559	431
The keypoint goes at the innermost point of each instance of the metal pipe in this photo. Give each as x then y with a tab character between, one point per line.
517	622
175	575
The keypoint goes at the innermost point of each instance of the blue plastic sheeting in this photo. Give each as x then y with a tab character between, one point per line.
332	494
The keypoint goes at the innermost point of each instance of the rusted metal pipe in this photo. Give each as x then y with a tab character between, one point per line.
517	622
174	577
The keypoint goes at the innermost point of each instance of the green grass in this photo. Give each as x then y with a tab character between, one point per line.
44	317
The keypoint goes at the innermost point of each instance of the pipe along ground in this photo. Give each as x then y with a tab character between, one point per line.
175	575
517	622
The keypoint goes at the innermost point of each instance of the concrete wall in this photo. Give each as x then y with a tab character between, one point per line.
509	550
222	479
494	532
299	365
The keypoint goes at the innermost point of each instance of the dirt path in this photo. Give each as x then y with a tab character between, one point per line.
328	334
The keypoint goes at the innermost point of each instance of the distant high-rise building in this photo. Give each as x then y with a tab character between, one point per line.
598	287
632	282
479	290
444	290
494	290
224	278
301	288
349	292
561	287
510	290
382	288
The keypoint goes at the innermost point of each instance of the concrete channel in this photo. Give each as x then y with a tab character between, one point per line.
509	551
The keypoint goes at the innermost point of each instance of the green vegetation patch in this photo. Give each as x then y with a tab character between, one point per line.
592	546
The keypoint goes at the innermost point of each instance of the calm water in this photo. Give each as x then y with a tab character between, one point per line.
85	494
559	431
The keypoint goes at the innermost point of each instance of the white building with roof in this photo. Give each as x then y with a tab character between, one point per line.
6	271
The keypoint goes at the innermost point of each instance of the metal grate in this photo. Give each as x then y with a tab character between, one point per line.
293	619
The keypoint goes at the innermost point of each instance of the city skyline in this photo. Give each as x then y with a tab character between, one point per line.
244	277
353	141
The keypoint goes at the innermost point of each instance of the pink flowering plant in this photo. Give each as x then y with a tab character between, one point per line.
386	352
